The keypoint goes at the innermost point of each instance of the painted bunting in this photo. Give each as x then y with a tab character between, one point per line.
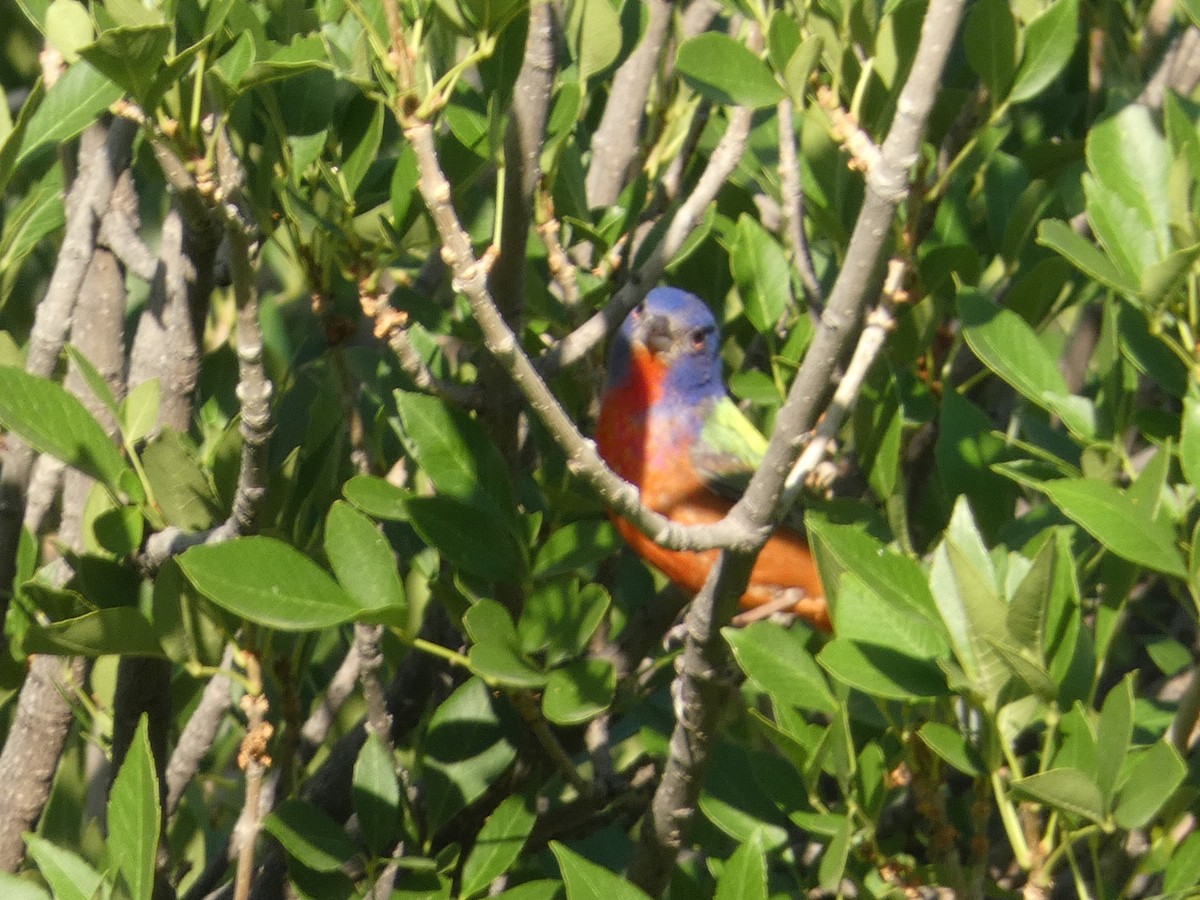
668	426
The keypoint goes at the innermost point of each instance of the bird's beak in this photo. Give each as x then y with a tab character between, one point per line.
656	333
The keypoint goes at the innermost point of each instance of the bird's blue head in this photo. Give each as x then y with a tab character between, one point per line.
672	338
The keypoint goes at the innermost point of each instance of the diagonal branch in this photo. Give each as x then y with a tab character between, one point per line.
721	163
697	689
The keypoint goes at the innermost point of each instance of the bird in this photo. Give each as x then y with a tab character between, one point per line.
668	426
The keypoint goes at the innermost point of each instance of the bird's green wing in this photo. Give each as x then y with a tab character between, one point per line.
729	450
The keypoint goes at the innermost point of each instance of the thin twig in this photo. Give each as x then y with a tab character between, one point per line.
254	760
721	163
793	207
370	662
698	690
199	733
528	708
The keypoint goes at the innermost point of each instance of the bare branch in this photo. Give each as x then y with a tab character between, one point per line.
370	661
198	735
581	452
793	207
32	748
103	153
118	230
320	720
697	689
591	333
254	761
1178	71
615	142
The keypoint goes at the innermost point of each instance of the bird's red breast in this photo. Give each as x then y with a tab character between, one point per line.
653	452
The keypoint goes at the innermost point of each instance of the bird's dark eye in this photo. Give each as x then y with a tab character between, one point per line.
637	311
700	338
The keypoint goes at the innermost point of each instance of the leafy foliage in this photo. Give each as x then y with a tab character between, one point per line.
1011	556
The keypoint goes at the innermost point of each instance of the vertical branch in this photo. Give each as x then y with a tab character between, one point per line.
254	760
793	206
615	141
43	715
522	171
103	152
370	662
32	748
697	695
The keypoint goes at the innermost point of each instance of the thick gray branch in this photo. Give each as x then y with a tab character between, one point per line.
697	692
103	153
31	751
615	141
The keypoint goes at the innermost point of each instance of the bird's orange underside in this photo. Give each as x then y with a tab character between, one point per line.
669	484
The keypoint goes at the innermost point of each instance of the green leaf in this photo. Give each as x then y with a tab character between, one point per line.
477	544
1049	46
965	590
744	876
777	660
119	530
896	579
91	375
1108	515
181	487
467	747
1085	256
40	213
68	27
363	562
15	887
833	861
118	630
1066	789
68	874
1027	604
723	70
134	12
53	421
376	793
376	497
496	653
456	453
560	618
1010	348
952	746
966	450
134	815
1128	159
1183	871
309	835
356	164
575	546
139	410
585	880
1151	779
783	38
579	691
132	57
761	271
1189	440
593	35
498	844
881	671
1113	733
990	38
268	582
